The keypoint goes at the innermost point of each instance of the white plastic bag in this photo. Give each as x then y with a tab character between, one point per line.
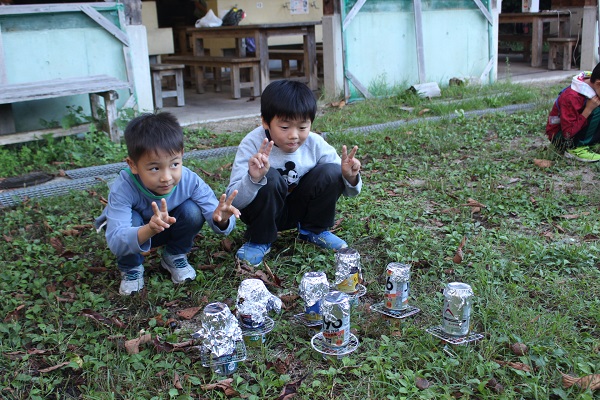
210	20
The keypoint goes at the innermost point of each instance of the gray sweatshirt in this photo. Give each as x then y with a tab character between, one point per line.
315	150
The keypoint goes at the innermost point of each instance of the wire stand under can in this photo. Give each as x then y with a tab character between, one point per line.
307	322
399	314
318	343
439	333
207	360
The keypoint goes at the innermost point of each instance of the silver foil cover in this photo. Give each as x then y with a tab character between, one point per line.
313	287
335	305
347	263
255	300
220	329
398	272
458	294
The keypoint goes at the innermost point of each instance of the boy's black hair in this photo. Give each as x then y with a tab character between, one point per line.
595	73
153	132
287	99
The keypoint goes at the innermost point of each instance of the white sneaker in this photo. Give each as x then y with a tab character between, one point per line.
181	271
132	281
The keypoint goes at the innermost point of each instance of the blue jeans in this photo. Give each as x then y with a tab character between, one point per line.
178	239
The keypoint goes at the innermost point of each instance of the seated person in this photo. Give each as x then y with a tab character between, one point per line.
574	121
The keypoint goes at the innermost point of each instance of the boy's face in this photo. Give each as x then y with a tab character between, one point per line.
288	135
159	171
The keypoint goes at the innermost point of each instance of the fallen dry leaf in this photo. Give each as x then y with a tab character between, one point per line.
14	314
542	163
54	367
422	383
87	312
458	257
224	385
519	349
591	382
188	313
177	381
57	244
227	245
290	390
133	345
423	111
515	365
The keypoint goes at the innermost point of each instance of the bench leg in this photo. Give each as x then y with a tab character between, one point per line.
552	56
110	125
199	72
157	88
179	87
218	79
256	80
567	51
236	90
285	68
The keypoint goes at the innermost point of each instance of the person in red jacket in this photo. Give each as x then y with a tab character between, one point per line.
574	121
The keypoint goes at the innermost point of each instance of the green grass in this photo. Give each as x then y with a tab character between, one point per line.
534	272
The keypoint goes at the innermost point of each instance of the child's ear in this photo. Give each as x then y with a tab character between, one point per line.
131	165
264	123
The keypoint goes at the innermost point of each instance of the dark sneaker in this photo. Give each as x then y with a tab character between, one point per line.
325	239
181	271
132	281
583	154
253	253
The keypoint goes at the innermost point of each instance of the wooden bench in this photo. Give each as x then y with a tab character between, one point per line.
235	64
561	47
160	71
96	86
287	55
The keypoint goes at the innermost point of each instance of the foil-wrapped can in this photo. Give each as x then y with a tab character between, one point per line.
254	301
220	330
347	270
313	287
397	286
335	307
456	314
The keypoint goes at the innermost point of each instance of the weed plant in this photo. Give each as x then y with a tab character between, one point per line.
530	255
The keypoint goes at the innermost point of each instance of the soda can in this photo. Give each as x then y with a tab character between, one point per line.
347	270
456	314
313	287
313	313
336	319
226	365
397	286
255	340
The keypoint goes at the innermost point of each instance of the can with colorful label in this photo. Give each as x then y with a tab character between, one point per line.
336	319
313	313
225	365
347	270
456	314
397	286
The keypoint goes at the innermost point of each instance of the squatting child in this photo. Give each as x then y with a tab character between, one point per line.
159	202
574	121
289	177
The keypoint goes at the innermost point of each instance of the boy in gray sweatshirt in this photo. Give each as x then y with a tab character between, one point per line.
288	177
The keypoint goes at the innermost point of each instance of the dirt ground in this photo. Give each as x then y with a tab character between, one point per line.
232	125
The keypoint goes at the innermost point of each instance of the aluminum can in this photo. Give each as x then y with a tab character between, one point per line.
313	287
456	314
226	365
347	270
397	286
313	313
336	319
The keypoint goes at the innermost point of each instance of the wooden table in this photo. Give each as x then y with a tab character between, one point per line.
261	34
537	21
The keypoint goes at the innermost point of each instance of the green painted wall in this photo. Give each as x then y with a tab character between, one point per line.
58	45
381	47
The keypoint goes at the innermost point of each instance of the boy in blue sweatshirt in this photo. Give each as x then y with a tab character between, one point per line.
159	202
288	177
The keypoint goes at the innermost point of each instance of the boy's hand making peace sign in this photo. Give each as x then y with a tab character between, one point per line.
258	164
225	210
350	165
